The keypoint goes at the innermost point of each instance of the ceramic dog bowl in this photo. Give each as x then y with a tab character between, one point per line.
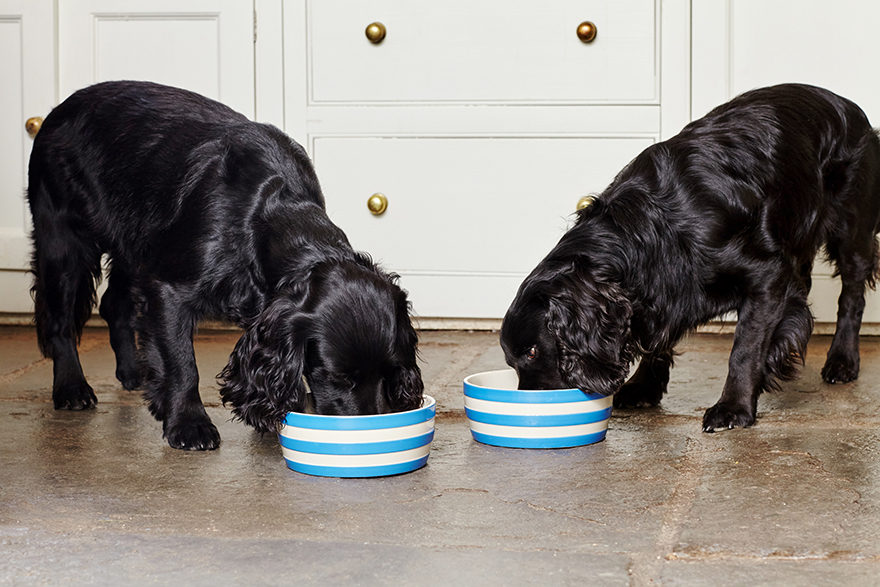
502	415
358	446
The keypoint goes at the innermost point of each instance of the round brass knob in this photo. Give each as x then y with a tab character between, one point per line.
585	202
586	31
375	32
377	204
32	125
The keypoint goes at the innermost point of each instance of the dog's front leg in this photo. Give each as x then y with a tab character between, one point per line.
747	375
648	384
172	385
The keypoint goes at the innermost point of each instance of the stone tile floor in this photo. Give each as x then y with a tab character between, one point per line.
98	498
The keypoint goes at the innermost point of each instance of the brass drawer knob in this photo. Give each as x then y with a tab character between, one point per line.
585	202
375	32
377	204
586	31
32	125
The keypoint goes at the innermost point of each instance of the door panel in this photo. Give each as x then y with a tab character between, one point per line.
464	212
28	72
202	45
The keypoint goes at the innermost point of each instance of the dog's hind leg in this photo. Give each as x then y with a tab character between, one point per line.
855	252
172	379
856	270
65	265
648	384
119	310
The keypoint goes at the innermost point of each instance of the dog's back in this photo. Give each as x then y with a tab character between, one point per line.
779	168
795	152
137	155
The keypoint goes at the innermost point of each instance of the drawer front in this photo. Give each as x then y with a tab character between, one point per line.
464	207
486	51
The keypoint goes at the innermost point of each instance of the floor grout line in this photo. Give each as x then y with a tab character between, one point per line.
646	568
13	375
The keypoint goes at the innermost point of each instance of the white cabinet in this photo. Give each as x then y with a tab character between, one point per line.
50	49
27	90
467	217
481	52
742	44
482	124
202	45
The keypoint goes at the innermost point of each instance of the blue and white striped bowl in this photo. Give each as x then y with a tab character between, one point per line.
358	446
502	415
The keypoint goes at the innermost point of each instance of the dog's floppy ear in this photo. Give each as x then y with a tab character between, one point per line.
263	379
406	386
591	324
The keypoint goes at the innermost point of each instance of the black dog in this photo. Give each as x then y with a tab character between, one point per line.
727	215
203	213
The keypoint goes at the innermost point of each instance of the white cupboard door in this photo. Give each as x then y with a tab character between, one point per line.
467	218
206	46
27	72
743	44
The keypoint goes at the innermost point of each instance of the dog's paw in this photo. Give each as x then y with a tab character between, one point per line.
840	369
74	395
639	395
723	416
195	434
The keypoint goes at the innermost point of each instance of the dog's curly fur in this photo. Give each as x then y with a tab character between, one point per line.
726	216
204	213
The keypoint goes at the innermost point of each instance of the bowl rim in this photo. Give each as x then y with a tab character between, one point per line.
418	415
525	396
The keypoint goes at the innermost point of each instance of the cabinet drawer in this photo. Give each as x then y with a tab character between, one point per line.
464	205
487	51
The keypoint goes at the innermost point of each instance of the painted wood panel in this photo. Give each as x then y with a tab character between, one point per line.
465	51
202	45
481	211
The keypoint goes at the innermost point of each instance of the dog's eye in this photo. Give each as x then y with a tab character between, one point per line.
532	353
